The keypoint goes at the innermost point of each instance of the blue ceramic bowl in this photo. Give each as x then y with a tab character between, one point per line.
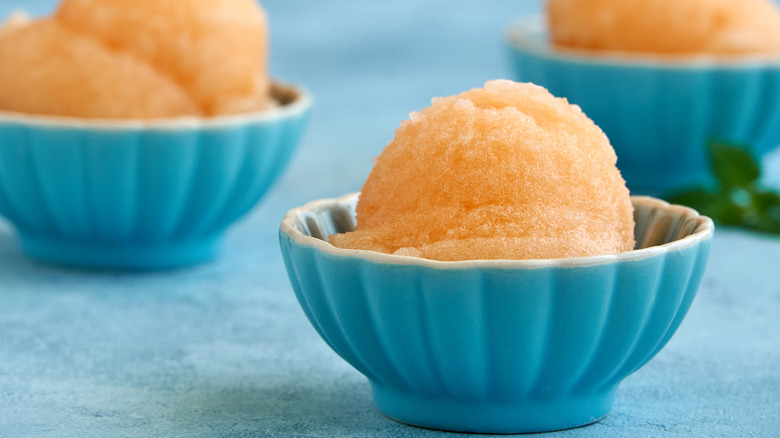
138	194
659	113
496	346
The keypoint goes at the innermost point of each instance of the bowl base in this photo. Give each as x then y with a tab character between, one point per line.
115	255
521	415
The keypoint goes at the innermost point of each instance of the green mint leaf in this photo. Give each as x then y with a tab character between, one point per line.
697	199
739	199
733	166
766	200
719	206
766	221
767	226
767	203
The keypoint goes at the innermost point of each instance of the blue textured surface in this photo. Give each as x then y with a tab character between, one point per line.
139	195
496	346
224	350
659	114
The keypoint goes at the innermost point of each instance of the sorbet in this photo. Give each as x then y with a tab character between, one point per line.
46	69
503	172
666	26
137	59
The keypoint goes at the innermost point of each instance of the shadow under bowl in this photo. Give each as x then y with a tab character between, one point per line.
496	346
135	194
660	113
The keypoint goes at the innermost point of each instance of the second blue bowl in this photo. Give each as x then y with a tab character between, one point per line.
659	113
140	195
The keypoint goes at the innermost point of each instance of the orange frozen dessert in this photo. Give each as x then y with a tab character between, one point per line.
503	172
666	26
137	59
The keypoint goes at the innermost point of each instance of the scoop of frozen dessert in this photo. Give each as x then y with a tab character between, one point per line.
666	26
503	172
151	59
47	69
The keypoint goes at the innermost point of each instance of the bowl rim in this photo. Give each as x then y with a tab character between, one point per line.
703	231
302	100
523	34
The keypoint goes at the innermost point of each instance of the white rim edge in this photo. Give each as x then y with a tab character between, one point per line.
704	231
302	102
520	36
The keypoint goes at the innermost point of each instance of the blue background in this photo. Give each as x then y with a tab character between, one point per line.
223	349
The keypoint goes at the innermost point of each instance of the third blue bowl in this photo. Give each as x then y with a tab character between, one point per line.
659	113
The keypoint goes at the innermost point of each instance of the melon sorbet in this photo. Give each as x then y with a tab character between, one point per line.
503	172
666	26
137	59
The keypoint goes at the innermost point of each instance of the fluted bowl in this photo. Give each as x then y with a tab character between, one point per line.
660	113
499	346
140	194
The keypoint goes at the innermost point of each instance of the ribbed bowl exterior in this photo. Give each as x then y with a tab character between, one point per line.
659	114
135	195
496	346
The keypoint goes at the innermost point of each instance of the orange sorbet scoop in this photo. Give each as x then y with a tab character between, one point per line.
503	172
47	69
215	50
137	59
666	26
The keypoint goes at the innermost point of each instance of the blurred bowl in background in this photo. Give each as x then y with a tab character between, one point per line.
140	194
660	113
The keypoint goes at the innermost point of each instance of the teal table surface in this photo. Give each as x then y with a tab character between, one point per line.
224	350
